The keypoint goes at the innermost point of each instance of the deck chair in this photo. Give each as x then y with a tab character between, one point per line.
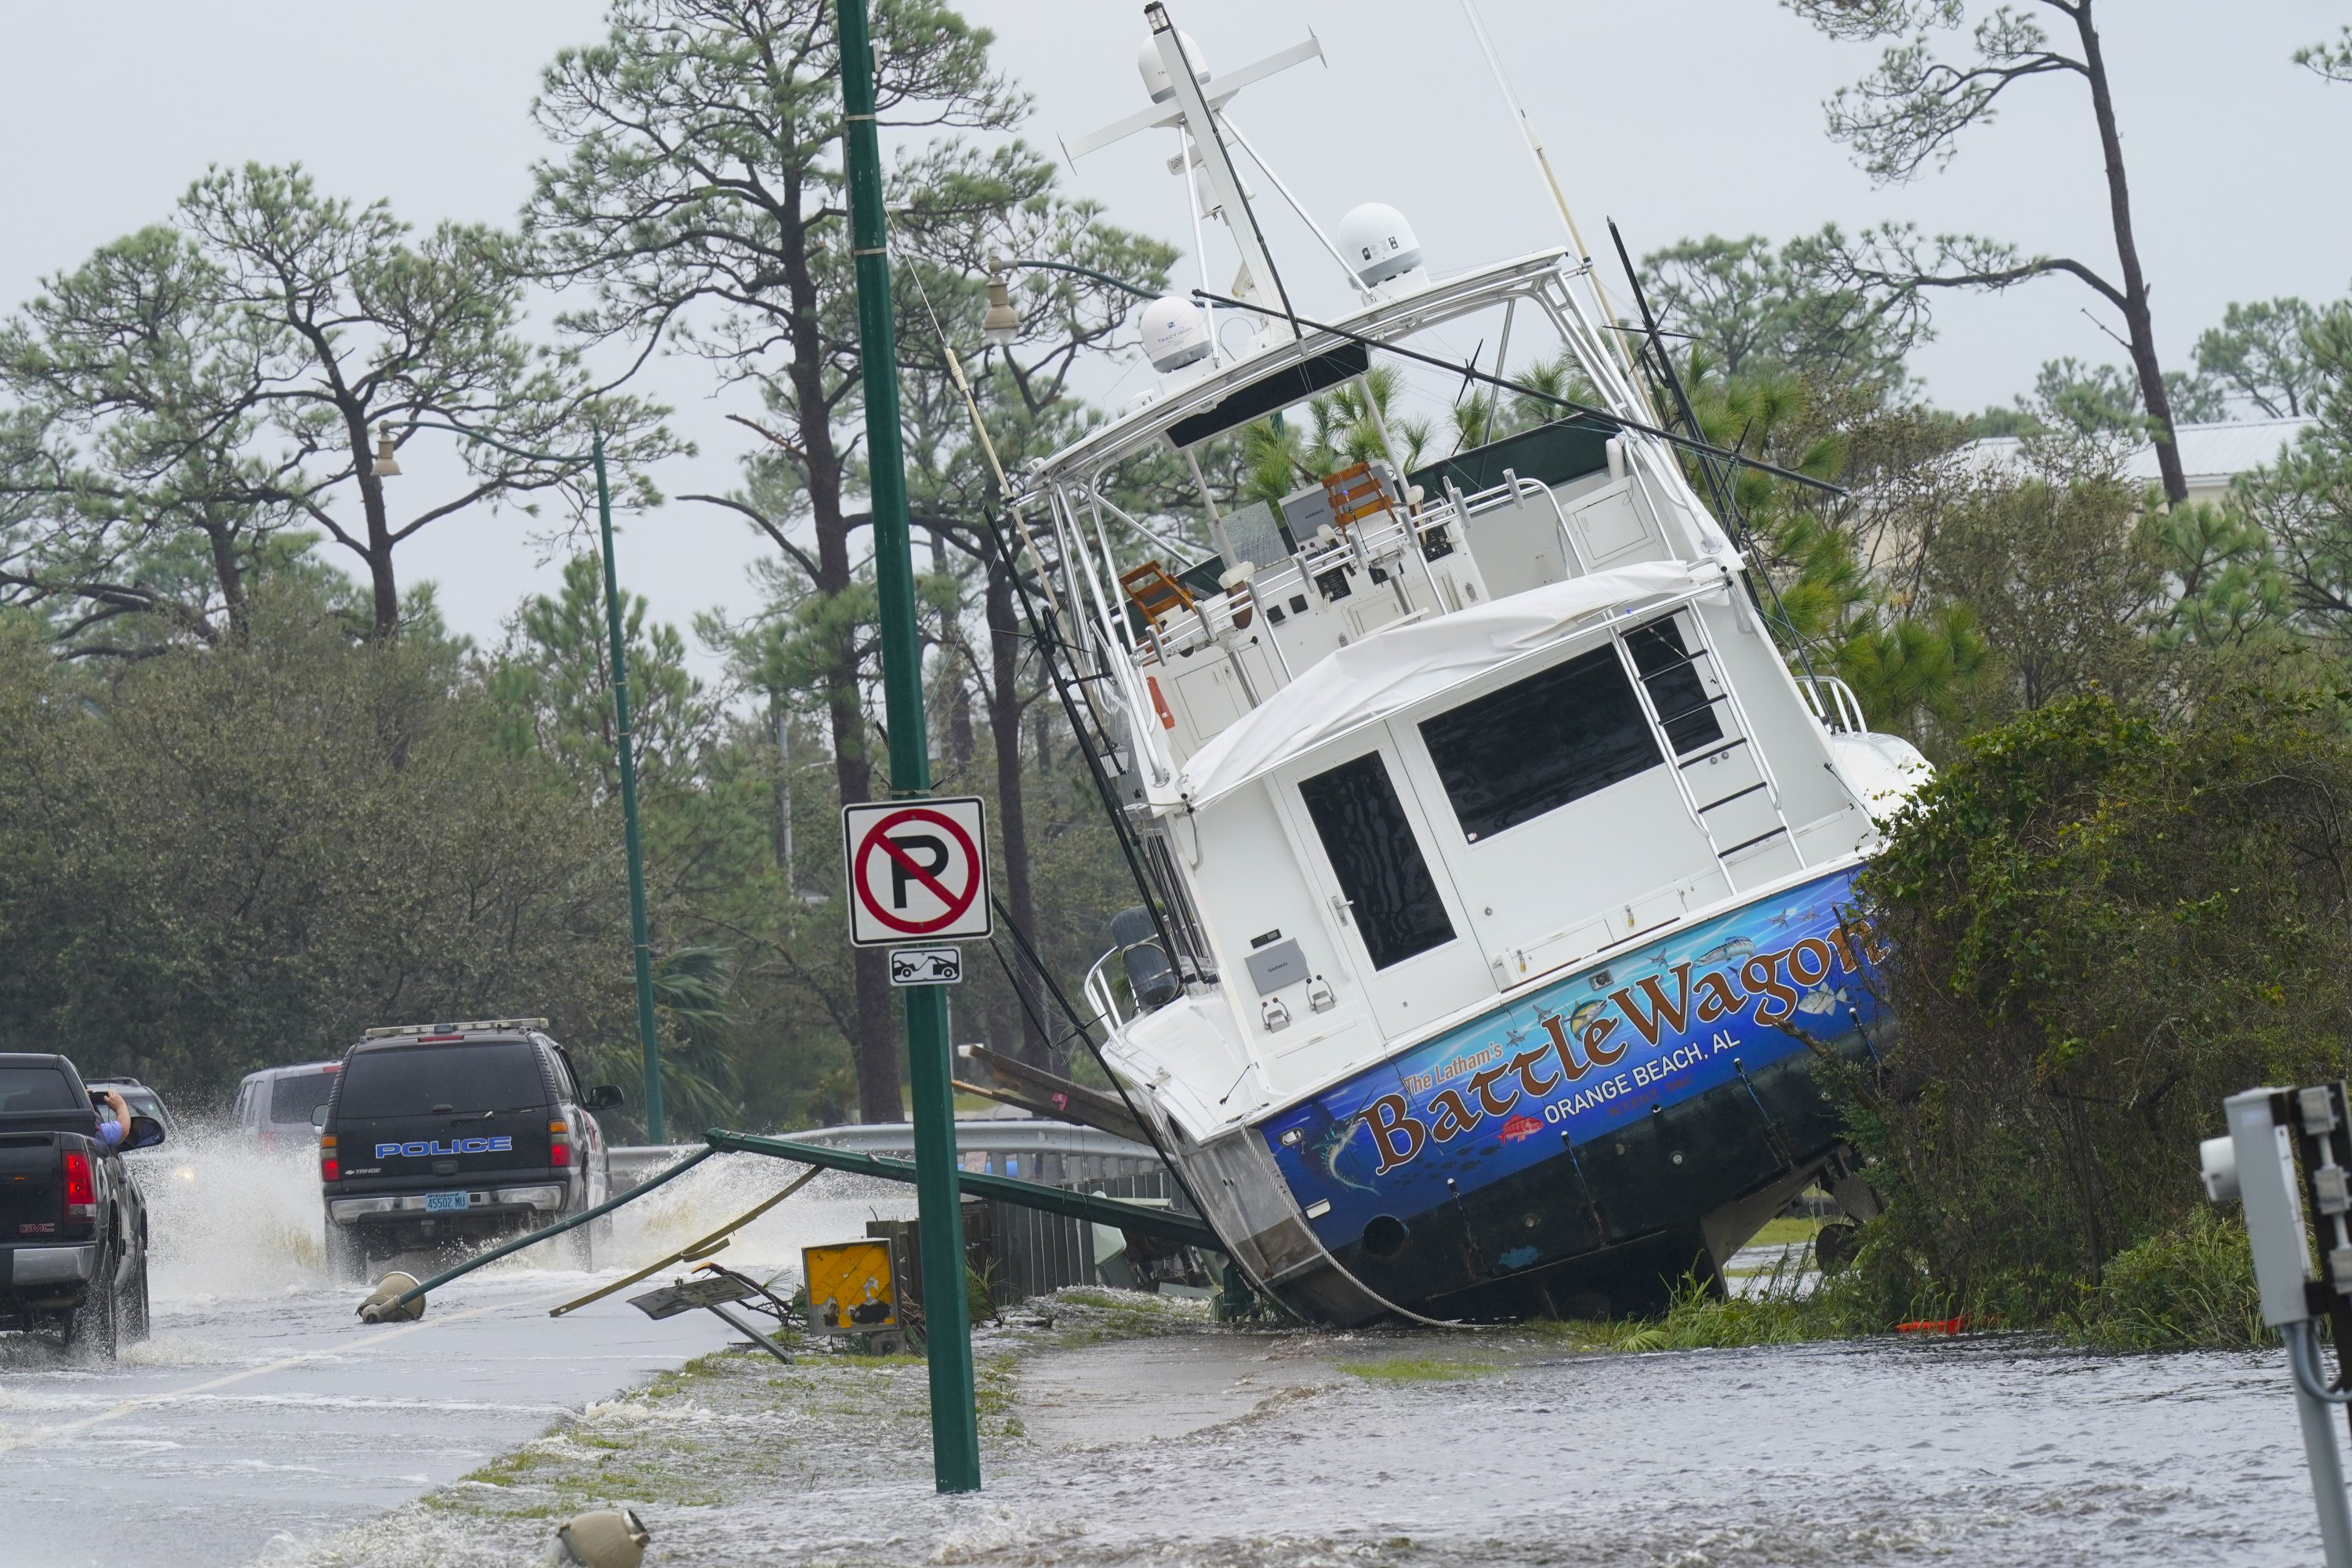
1154	593
1355	494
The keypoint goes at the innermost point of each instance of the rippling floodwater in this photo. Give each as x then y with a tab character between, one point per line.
262	1424
262	1413
1230	1449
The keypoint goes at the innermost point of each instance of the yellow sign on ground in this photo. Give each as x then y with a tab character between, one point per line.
850	1287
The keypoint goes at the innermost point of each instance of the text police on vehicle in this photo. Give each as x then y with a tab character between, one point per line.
454	1146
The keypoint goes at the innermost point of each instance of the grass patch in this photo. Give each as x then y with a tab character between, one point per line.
1410	1369
723	1428
1101	1301
2190	1286
1786	1231
1083	1315
1705	1323
1786	1309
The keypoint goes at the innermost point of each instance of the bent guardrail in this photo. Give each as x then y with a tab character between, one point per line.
1117	1213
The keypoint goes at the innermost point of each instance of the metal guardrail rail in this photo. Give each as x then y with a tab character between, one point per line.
1051	1152
1115	1212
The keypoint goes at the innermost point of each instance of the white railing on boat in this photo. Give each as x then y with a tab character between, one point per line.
1395	534
1101	994
1833	704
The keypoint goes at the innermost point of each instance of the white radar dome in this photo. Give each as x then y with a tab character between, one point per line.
1155	75
1175	332
1378	243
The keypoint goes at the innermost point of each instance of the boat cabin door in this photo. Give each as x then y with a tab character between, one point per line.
1368	847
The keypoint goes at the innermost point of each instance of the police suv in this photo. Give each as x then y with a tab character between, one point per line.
440	1135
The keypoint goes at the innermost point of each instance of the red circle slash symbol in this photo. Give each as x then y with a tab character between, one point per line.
906	869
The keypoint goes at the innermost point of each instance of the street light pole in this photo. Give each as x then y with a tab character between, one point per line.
641	941
648	1040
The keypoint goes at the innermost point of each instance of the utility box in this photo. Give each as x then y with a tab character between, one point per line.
2268	1185
853	1287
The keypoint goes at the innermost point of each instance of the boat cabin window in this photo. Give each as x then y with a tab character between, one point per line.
1370	843
1530	748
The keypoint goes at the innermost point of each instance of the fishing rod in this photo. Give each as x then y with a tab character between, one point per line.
1068	691
1004	264
1704	449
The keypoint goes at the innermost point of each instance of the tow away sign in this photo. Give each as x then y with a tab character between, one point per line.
927	966
918	870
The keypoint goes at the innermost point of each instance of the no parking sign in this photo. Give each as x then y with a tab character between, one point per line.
918	870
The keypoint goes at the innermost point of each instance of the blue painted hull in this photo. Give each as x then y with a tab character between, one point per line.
1568	1146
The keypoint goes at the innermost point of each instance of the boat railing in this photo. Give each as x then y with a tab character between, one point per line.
1391	534
1101	995
1517	491
1833	704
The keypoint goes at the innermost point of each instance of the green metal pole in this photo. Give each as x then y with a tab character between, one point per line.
647	1041
947	1324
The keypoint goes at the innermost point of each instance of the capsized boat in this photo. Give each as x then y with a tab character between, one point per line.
1499	867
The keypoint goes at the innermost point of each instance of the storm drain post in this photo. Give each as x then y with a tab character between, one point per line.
955	1425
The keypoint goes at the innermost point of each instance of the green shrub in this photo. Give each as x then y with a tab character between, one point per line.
2192	1284
2097	924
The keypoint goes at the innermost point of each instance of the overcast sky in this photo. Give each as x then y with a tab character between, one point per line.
1676	117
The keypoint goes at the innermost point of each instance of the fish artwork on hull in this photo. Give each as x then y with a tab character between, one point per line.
1519	1127
1728	999
1329	1144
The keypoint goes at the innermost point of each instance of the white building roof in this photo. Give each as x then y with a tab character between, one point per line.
2211	455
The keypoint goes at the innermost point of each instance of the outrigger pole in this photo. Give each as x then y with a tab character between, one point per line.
1552	183
1725	499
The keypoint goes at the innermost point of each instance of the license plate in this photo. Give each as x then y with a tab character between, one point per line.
443	1203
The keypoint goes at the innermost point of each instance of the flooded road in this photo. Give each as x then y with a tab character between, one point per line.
1230	1450
245	1420
264	1424
262	1412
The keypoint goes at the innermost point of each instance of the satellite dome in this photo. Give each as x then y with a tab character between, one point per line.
1175	332
1378	243
1155	75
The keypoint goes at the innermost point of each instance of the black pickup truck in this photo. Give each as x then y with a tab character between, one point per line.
73	1223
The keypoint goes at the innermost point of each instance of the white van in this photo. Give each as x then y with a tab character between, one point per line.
274	1105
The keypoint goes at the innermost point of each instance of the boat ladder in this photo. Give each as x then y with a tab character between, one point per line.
1654	667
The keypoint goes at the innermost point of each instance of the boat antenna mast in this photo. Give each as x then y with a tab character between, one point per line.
1559	199
1191	103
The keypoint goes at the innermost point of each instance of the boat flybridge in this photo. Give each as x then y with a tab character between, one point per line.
1498	867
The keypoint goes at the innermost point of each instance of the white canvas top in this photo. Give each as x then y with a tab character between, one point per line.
1394	669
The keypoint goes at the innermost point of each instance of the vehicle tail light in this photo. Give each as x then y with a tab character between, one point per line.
330	1165
559	1143
81	1198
